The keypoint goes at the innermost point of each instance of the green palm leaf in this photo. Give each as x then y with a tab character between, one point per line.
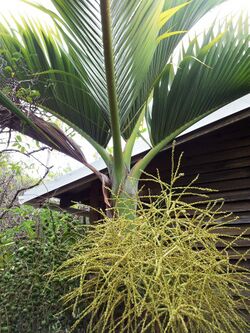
82	21
102	61
81	99
183	20
135	28
64	91
210	75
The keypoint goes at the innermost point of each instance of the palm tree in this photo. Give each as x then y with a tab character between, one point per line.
104	66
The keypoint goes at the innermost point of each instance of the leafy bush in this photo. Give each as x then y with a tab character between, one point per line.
13	177
159	272
29	300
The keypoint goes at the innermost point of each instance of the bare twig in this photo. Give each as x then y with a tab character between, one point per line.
11	204
27	154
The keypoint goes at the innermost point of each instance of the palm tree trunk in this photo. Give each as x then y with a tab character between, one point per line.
125	200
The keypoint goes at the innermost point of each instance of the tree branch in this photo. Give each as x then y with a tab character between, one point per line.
10	205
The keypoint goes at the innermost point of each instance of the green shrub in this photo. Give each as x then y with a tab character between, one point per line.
160	272
29	299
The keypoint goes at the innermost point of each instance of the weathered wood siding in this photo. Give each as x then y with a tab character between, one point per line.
222	160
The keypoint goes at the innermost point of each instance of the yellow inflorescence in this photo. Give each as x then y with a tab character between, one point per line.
161	271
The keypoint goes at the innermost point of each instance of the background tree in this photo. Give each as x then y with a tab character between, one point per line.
104	66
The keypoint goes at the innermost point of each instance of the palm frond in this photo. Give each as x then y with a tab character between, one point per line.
75	46
183	20
63	90
134	32
136	26
38	129
210	75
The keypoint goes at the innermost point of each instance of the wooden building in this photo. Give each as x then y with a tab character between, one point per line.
219	152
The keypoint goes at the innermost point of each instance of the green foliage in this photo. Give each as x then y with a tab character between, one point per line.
28	94
12	67
160	272
203	78
84	81
29	300
13	177
7	71
104	67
